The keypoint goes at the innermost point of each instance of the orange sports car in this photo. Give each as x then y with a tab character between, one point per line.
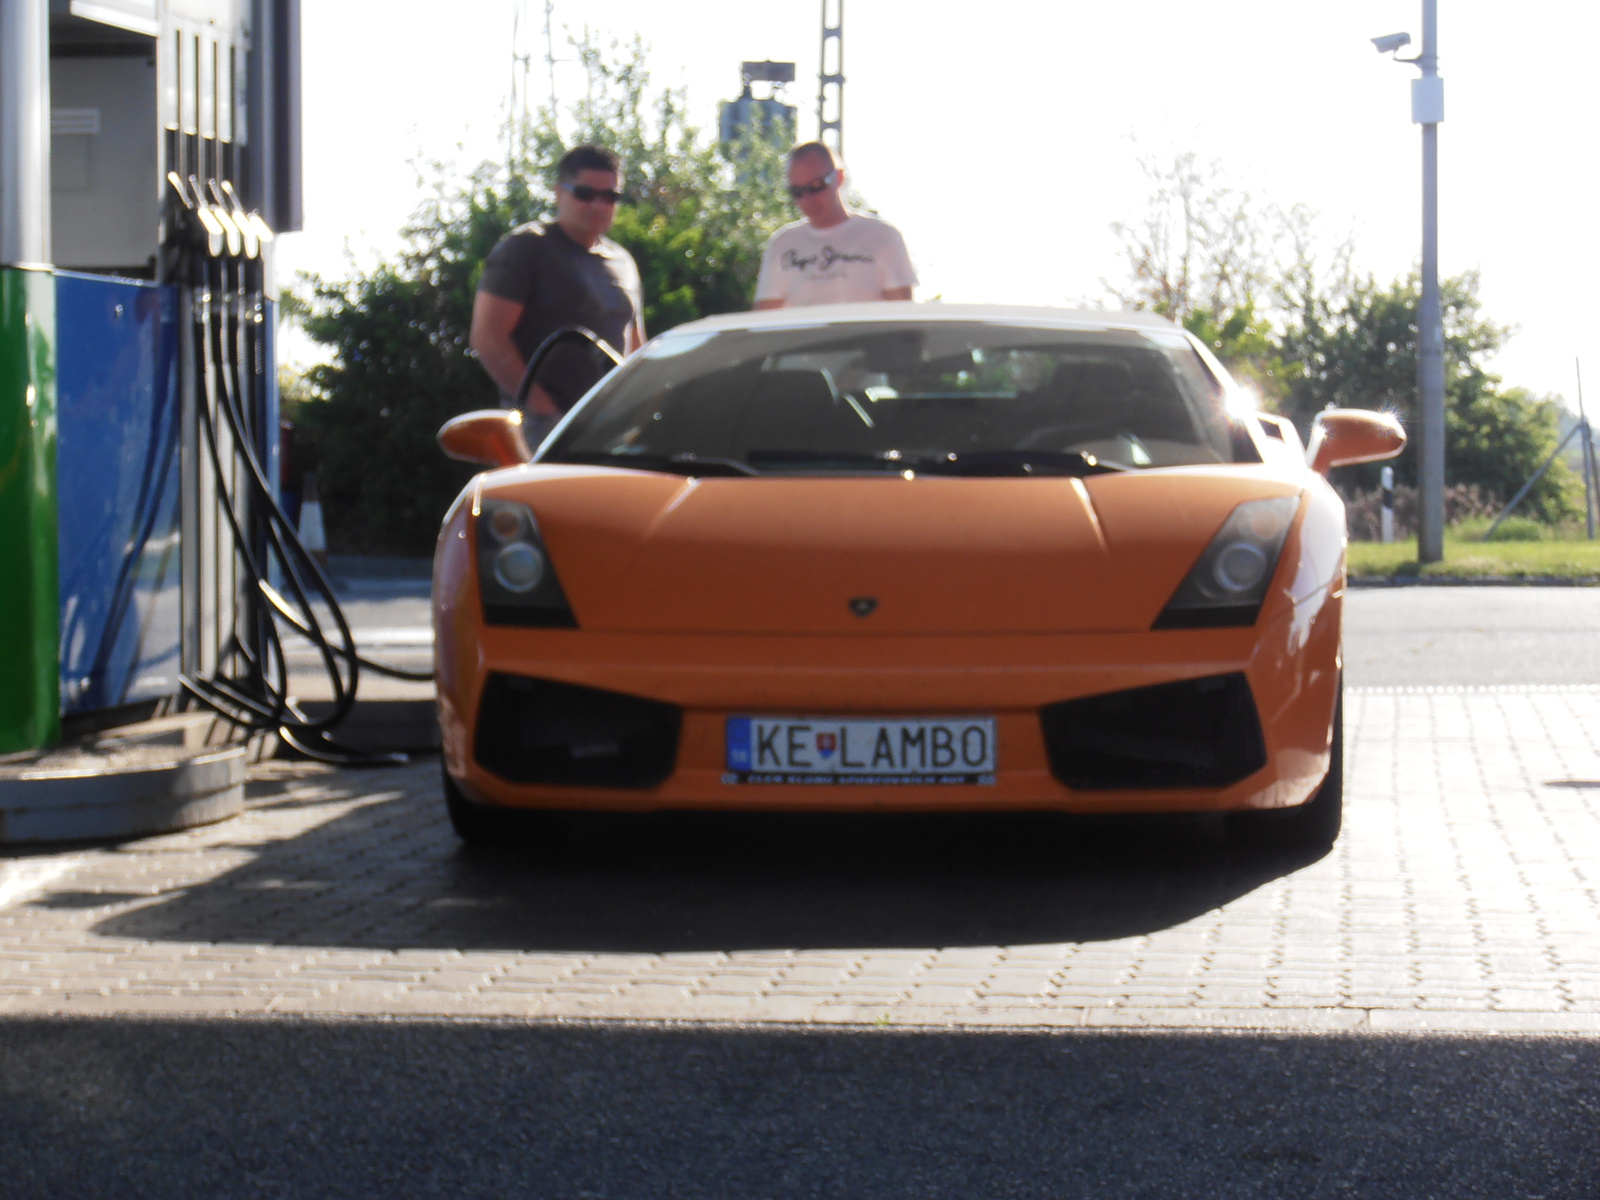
901	557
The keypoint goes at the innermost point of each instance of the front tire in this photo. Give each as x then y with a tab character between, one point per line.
477	825
1313	825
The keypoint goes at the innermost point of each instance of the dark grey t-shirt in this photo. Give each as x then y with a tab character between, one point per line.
559	283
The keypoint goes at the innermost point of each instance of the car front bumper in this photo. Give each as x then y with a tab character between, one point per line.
1290	659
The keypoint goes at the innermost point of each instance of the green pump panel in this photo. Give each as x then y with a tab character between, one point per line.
30	703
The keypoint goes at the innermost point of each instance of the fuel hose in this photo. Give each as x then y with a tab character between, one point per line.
249	686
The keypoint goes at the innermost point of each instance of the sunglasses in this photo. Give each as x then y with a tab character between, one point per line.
815	186
585	194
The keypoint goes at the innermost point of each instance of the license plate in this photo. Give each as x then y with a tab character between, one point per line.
846	750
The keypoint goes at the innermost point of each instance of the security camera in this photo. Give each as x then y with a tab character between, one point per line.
1390	43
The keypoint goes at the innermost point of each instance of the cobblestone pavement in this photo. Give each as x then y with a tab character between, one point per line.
1464	895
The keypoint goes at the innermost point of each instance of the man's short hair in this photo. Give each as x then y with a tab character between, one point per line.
821	149
587	157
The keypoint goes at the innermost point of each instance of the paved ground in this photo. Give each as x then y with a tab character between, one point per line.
1465	895
390	616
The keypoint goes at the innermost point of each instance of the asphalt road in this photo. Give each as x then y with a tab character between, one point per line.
296	1108
1471	636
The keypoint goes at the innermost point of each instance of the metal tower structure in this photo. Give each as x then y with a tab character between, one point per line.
830	75
521	62
522	56
550	56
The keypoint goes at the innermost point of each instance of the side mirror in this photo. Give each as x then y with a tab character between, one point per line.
1342	436
491	437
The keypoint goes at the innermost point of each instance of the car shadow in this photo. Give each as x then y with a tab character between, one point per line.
390	874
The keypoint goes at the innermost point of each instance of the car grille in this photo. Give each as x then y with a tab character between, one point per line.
1195	733
542	731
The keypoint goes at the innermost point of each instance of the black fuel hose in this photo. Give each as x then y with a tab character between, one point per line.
566	333
249	687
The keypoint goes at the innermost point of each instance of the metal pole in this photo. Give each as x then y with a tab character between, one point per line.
831	32
1427	110
1589	480
1586	450
550	58
24	133
1386	514
1594	466
30	634
1537	475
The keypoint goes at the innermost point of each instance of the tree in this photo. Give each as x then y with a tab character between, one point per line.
1206	255
1356	347
1201	245
1307	333
400	363
1244	341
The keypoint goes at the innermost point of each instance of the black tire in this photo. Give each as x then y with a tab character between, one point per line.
478	825
1315	824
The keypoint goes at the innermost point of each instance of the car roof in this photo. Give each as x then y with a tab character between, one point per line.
910	310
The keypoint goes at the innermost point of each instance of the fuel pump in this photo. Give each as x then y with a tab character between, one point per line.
150	150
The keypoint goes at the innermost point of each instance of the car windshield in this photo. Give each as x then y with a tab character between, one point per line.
946	396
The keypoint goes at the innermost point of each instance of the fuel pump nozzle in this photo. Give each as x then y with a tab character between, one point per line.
257	234
220	218
188	194
231	214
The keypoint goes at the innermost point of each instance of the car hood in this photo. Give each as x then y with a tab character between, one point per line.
648	552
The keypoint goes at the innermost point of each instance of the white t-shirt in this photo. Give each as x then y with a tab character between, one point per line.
859	259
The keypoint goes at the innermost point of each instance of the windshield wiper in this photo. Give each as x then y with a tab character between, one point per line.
1023	462
712	466
828	458
674	464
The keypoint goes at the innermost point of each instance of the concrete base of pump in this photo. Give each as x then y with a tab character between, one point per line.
154	777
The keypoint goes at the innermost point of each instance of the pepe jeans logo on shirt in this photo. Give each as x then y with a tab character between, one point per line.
825	258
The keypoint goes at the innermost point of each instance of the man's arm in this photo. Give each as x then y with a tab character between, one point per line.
897	274
769	283
634	337
493	320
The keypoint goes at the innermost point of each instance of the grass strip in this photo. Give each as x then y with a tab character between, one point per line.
1563	561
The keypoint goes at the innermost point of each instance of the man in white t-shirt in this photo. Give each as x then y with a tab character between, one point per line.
834	256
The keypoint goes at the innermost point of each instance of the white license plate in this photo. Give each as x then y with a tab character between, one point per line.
912	750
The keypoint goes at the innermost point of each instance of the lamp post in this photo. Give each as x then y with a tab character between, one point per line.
1427	110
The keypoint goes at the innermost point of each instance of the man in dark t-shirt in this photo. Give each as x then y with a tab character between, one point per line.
563	272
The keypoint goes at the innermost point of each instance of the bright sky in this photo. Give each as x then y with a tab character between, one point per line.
1003	137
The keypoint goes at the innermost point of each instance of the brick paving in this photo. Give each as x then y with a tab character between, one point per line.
1464	895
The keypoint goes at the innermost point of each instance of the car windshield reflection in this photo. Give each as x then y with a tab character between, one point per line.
940	397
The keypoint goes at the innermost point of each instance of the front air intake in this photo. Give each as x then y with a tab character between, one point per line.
1195	733
542	731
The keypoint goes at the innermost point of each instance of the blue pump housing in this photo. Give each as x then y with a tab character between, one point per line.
120	414
120	410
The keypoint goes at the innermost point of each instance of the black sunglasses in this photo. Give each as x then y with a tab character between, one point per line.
815	186
584	193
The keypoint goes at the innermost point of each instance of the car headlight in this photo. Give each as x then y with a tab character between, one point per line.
1228	584
515	578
